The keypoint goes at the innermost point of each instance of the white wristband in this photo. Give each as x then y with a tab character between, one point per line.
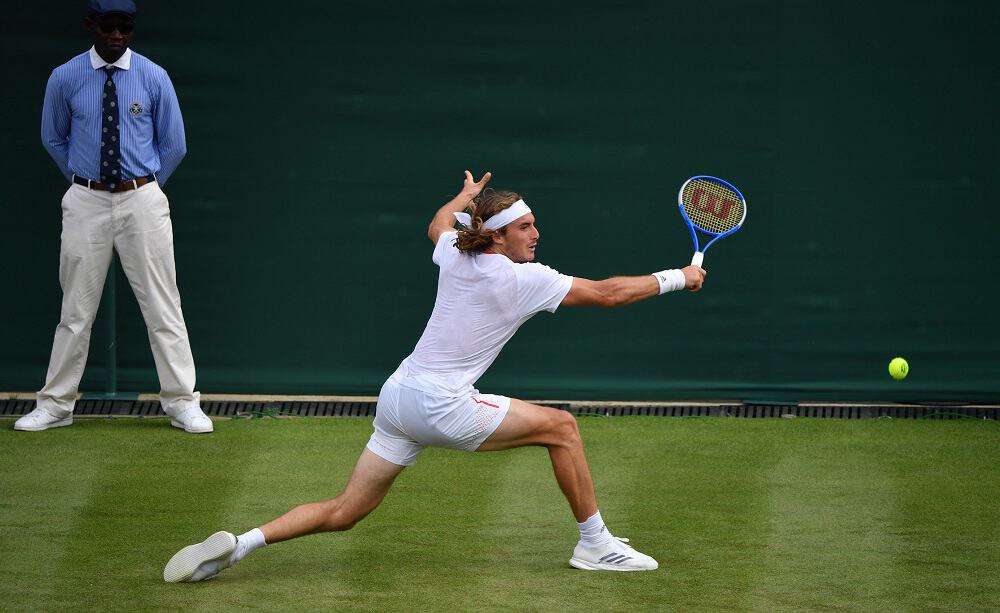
670	280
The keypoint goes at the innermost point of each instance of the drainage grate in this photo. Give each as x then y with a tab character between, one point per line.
296	408
366	408
862	411
651	410
15	407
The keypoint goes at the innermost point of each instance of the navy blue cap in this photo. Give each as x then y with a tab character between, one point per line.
96	8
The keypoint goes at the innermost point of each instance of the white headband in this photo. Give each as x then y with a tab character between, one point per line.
501	219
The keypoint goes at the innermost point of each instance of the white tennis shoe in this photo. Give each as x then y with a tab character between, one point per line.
193	420
616	555
201	561
40	419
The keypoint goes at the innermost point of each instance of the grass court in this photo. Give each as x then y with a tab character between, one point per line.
743	514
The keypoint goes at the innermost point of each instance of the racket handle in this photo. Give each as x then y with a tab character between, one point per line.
698	258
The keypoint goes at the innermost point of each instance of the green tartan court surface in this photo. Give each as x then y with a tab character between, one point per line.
747	515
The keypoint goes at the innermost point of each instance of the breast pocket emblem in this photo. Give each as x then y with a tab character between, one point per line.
135	108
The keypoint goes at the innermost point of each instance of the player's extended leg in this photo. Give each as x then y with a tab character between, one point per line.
529	424
368	485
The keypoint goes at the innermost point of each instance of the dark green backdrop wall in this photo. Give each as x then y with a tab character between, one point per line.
323	135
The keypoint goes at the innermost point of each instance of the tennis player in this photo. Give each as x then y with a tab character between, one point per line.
488	286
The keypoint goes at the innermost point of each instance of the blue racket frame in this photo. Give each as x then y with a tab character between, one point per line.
699	253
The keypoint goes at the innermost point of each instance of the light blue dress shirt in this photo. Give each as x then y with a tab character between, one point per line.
152	130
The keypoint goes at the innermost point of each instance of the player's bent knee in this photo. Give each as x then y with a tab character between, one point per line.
343	514
566	429
334	517
339	521
344	525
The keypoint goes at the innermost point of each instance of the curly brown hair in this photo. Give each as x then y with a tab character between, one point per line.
487	204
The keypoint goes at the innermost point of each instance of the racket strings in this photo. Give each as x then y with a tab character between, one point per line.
712	207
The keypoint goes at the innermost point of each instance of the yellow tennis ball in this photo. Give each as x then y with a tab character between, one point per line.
898	368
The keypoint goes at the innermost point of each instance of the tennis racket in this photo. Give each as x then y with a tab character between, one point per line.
713	207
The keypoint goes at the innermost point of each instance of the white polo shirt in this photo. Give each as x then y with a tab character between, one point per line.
482	299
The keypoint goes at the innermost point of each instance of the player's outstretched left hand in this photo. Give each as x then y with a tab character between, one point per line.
471	188
694	277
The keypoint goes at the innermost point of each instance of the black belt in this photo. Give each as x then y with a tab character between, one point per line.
114	188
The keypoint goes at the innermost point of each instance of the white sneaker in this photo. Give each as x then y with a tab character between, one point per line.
201	561
193	420
615	555
40	419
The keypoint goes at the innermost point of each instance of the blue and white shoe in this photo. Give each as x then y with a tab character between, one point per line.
202	560
616	555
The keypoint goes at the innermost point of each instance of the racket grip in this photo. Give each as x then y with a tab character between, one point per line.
698	258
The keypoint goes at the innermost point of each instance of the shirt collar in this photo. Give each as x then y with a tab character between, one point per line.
98	62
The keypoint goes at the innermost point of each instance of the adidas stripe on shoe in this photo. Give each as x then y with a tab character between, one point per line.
615	556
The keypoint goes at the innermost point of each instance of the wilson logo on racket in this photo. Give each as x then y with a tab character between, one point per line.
711	203
713	207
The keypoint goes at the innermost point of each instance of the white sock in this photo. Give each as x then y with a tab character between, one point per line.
247	543
593	532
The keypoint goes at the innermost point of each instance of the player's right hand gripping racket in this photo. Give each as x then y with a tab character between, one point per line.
713	207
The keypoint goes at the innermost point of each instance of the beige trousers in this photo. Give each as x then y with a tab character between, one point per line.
136	224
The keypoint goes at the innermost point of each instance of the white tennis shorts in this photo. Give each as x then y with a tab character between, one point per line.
408	420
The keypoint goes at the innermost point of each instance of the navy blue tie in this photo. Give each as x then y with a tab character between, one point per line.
111	164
